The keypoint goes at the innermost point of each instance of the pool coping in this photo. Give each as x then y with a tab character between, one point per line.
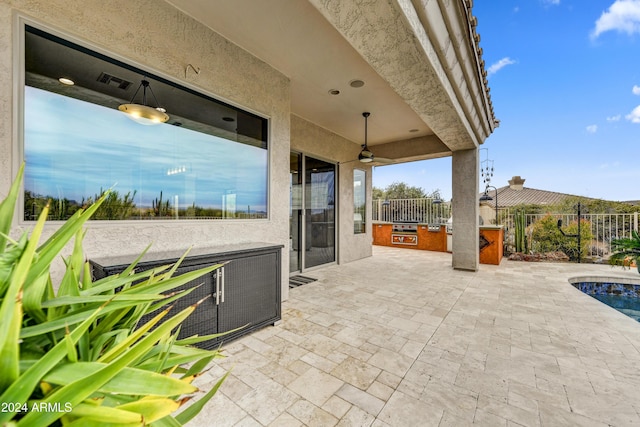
605	279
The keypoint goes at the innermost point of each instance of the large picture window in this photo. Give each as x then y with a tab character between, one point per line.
209	160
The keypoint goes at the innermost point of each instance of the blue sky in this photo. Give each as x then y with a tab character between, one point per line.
74	149
565	84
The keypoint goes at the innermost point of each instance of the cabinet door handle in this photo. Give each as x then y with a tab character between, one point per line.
222	280
216	277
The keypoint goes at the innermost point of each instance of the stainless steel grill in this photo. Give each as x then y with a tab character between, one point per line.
405	227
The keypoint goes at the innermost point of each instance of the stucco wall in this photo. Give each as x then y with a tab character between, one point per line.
315	141
161	39
465	238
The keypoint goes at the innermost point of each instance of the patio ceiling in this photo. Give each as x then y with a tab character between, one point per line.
416	113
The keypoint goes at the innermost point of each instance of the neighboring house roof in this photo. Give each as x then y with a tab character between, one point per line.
516	194
508	197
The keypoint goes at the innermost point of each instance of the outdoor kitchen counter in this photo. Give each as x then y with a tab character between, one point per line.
491	244
434	238
422	238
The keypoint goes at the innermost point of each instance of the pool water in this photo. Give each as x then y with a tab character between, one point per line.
627	305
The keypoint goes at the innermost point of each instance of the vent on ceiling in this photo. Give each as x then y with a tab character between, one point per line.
110	80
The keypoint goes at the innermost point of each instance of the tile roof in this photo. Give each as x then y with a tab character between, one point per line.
507	197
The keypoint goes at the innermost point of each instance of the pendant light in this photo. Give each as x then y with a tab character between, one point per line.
365	155
142	113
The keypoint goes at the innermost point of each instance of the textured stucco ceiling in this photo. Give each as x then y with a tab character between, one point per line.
322	45
294	38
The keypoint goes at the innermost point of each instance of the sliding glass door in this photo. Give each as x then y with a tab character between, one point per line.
320	207
312	214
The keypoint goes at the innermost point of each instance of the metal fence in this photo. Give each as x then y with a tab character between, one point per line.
426	211
604	227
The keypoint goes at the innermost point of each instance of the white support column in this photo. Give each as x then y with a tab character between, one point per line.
465	238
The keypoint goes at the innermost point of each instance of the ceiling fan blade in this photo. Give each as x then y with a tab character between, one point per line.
384	160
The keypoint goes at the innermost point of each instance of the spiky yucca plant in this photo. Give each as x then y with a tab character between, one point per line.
78	356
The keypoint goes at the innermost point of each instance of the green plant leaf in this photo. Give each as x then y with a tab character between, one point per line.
81	299
129	381
151	409
54	244
33	296
70	284
135	336
18	276
47	341
10	352
167	421
7	208
91	422
79	390
111	283
173	282
8	259
98	413
180	355
60	323
72	355
195	408
20	390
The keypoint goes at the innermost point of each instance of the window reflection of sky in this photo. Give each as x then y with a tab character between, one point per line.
74	148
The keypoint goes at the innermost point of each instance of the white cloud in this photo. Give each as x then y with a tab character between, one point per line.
634	116
607	165
592	128
614	118
494	68
552	2
635	90
622	16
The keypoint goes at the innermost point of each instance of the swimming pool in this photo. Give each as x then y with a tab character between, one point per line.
627	305
620	293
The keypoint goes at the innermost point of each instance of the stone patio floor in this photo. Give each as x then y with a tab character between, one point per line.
402	339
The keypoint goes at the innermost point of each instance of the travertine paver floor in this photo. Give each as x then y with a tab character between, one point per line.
402	339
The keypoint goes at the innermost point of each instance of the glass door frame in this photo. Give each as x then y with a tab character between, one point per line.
303	229
297	239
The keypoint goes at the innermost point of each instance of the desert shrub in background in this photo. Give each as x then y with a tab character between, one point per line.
546	237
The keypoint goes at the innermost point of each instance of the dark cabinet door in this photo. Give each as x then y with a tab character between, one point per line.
250	292
204	320
244	293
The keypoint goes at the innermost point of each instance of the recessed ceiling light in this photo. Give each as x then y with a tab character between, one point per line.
334	92
228	119
356	83
66	81
413	130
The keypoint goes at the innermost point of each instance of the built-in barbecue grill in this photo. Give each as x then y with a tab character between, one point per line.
404	227
404	233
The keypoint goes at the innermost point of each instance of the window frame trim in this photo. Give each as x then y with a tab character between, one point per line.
18	135
364	190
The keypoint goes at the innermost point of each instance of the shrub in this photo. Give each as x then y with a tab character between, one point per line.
79	356
627	251
547	238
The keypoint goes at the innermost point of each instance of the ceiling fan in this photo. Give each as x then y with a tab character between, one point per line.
366	156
